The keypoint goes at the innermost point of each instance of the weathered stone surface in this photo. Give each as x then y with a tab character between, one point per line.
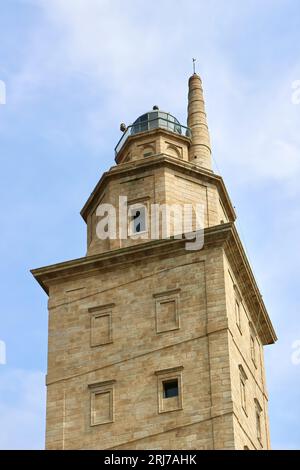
136	314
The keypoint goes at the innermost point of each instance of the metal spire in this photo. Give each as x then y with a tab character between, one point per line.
194	65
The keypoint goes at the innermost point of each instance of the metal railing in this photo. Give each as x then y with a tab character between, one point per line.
148	125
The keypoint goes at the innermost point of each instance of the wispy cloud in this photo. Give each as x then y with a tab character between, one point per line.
114	61
138	56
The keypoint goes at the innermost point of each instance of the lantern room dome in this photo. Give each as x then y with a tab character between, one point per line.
154	119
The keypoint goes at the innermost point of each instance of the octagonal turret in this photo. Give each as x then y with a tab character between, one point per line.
152	133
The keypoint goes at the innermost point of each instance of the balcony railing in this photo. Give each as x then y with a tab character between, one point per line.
149	125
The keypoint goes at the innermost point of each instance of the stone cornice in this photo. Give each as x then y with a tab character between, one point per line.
250	291
88	264
160	160
221	235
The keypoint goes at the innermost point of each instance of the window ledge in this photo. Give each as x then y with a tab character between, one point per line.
170	411
137	234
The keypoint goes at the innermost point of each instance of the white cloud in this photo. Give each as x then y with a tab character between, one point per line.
22	409
254	129
138	55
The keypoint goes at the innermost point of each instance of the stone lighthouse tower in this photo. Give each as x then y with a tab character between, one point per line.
153	345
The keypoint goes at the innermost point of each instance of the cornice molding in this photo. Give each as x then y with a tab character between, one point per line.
160	160
224	235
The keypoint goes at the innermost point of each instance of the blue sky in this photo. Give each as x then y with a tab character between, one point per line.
74	69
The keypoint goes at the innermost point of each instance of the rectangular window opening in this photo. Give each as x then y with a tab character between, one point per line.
258	425
137	219
243	380
238	314
170	388
243	393
258	411
252	347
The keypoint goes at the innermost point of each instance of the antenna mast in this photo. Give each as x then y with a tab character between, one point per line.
194	65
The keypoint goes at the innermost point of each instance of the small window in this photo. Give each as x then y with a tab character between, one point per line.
252	344
148	149
237	306
258	425
170	389
243	391
238	314
246	448
137	219
258	411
